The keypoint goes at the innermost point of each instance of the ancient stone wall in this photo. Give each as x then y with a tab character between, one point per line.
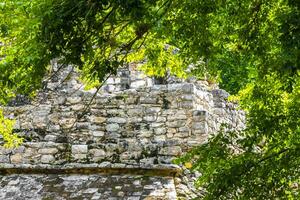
126	134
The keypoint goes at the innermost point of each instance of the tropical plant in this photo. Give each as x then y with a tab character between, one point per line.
250	47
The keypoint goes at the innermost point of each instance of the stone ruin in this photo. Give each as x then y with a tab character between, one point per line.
118	145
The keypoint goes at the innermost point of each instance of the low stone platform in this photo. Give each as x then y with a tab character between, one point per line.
85	186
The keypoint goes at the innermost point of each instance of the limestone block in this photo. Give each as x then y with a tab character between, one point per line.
61	100
30	152
98	133
112	127
130	155
138	83
47	159
148	100
160	138
117	120
161	119
48	151
159	89
4	159
148	161
110	80
53	128
98	153
135	111
187	104
109	88
171	151
20	149
145	134
165	159
77	107
134	119
40	121
79	149
83	125
16	158
181	135
187	97
198	125
51	138
200	115
195	142
79	156
115	112
150	118
177	117
185	88
176	124
170	135
17	124
152	110
98	120
159	131
67	122
157	125
184	129
74	100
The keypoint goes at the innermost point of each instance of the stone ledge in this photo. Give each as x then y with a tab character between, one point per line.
75	168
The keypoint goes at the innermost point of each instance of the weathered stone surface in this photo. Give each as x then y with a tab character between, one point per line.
47	159
112	127
16	158
173	151
48	151
74	100
79	149
98	120
4	159
117	120
65	187
98	153
132	123
98	133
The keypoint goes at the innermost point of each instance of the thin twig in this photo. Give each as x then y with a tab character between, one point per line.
87	106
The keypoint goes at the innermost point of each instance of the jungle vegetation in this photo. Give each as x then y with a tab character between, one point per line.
250	47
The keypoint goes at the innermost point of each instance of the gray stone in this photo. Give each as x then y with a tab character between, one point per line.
79	156
4	159
98	153
79	149
16	158
77	107
135	111
148	100
176	124
160	131
98	120
150	118
117	120
112	127
47	159
98	133
137	84
172	151
48	151
74	100
51	138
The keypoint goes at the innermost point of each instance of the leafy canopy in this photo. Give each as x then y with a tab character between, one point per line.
250	47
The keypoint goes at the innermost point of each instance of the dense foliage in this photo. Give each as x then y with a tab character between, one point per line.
250	47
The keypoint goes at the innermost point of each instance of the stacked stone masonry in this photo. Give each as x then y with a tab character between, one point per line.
82	145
